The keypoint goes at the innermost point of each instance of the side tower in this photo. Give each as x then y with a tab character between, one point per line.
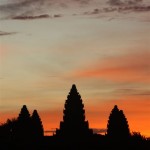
74	124
117	127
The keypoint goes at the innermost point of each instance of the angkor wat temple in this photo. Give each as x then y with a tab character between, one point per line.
74	123
26	131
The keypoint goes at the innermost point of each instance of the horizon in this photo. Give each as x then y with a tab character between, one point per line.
101	46
102	130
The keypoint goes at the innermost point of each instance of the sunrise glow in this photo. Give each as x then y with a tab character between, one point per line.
101	46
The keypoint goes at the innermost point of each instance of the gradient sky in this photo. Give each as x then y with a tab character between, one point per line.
102	46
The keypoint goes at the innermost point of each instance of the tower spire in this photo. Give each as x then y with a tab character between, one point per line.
74	124
73	88
117	127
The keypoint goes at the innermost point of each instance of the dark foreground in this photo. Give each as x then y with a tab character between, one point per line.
94	143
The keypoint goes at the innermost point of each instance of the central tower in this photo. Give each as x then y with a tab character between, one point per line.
74	124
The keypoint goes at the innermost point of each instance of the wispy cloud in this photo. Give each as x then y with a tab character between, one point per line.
128	5
131	67
115	2
24	8
99	130
120	6
128	9
93	12
120	9
2	33
34	7
31	17
57	15
124	2
133	91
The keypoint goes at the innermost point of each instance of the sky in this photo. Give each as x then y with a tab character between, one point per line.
102	46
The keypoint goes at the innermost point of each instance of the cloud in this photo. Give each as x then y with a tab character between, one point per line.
115	2
97	11
126	9
93	12
31	9
99	130
127	5
132	67
133	91
31	17
49	132
2	33
134	9
121	6
34	7
24	7
124	2
16	6
57	16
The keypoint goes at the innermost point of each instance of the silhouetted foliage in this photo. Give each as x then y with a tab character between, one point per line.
7	129
37	130
136	136
117	127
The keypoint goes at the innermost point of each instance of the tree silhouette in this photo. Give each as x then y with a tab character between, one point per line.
74	124
38	131
7	129
117	127
136	136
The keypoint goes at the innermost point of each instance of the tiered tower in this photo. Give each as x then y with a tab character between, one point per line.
117	127
74	124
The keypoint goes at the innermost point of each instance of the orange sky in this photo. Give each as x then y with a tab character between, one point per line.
97	114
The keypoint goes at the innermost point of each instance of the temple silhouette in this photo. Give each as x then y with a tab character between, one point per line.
74	124
26	131
117	127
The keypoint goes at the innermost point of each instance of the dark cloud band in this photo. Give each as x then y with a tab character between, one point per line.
31	17
2	33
